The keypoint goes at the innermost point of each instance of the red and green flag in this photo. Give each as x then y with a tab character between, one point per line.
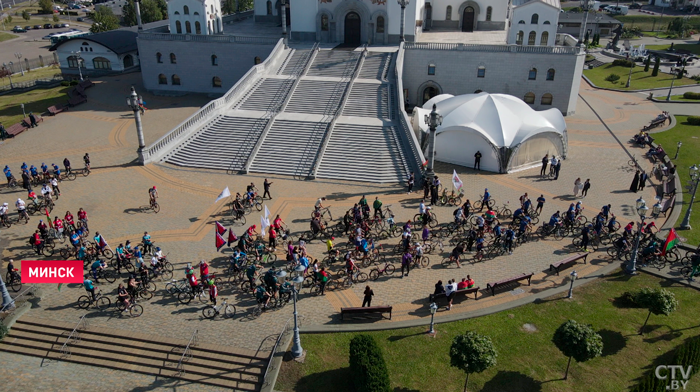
671	241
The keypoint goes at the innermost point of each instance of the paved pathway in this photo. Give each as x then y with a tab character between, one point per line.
116	189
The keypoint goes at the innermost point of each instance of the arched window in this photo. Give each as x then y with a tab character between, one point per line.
546	99
550	74
532	75
128	61
177	12
175	80
214	60
178	27
173	58
489	11
101	63
531	38
481	72
159	57
197	27
162	79
521	22
530	98
535	19
186	10
478	91
72	62
216	81
269	7
544	38
196	13
188	27
546	22
380	25
431	69
324	22
428	93
519	38
448	13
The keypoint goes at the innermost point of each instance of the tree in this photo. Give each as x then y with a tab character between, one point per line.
647	62
367	366
585	39
658	301
150	12
8	18
163	7
679	26
46	6
473	353
578	341
105	20
655	71
55	18
25	15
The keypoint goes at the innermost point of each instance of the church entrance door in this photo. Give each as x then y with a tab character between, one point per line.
468	20
352	29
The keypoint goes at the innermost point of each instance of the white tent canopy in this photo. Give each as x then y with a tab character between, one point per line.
509	134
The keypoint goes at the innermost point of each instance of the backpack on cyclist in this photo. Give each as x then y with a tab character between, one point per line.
456	211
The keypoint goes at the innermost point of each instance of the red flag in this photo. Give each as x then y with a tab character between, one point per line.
48	217
219	242
671	241
231	237
220	228
103	243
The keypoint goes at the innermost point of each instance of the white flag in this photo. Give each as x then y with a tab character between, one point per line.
264	223
225	193
267	214
456	181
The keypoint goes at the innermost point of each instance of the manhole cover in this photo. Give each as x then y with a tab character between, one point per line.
517	291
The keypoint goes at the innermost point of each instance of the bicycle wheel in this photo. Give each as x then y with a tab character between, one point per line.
121	306
209	312
48	251
145	294
84	302
109	276
184	298
136	310
258	206
15	285
331	285
308	282
229	311
558	234
446	262
70	176
203	297
672	256
424	262
258	199
166	275
156	208
103	303
612	252
7	222
685	272
374	274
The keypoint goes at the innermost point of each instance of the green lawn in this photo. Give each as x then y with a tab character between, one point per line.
34	101
640	80
37	73
693	48
680	98
689	135
527	361
6	36
652	22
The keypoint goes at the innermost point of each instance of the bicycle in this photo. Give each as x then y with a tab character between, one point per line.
5	221
225	310
101	302
388	269
331	285
106	275
14	280
504	212
237	215
177	286
419	219
153	205
686	271
358	276
135	310
69	175
479	204
323	212
258	310
633	162
187	296
447	261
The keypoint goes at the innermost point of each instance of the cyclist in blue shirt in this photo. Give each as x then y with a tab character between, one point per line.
56	171
517	214
24	166
90	288
611	223
510	237
34	172
97	264
606	210
485	200
44	169
8	174
74	239
554	219
527	204
540	204
524	223
497	230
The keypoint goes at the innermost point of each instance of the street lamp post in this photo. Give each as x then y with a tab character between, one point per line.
403	4
678	148
694	180
573	276
585	7
433	309
9	75
19	60
284	22
134	102
642	212
137	9
629	77
79	60
297	351
433	120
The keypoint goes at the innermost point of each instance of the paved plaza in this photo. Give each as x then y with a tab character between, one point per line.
184	228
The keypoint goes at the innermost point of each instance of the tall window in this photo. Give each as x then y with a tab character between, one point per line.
175	80
489	11
324	22
380	25
269	7
530	98
178	27
197	27
544	38
159	57
550	74
162	79
519	38
214	60
173	58
532	75
546	99
531	38
72	62
535	19
481	72
186	10
188	27
216	81
448	13
431	69
101	63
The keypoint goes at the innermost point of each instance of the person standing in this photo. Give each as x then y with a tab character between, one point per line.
411	181
3	132
556	169
368	297
586	187
545	161
406	261
634	187
450	291
540	204
577	186
266	186
643	180
32	120
377	205
477	160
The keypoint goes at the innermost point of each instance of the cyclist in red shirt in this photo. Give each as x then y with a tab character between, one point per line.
278	222
192	279
83	218
68	220
213	292
203	271
251	231
58	224
273	237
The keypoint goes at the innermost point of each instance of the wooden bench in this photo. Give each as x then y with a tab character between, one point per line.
87	83
16	129
29	122
77	100
659	157
573	259
55	109
79	90
366	310
464	293
655	123
669	187
667	204
508	282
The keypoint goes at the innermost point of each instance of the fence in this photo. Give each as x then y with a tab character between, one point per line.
405	129
74	336
278	350
238	39
43	82
186	354
26	64
491	48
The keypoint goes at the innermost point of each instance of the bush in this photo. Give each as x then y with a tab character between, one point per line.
65	83
74	82
624	63
694	120
688	354
367	365
613	78
3	330
691	95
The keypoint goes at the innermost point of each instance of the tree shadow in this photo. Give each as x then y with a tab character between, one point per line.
336	380
396	338
505	381
613	342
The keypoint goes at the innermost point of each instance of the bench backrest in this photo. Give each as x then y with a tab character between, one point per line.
571	258
668	203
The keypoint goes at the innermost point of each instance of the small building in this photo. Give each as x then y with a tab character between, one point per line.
111	52
534	22
598	23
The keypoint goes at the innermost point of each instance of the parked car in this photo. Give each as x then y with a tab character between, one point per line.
18	29
80	19
27	27
75	7
65	25
635	6
36	27
48	26
57	26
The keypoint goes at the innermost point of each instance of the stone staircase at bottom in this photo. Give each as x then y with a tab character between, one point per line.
216	365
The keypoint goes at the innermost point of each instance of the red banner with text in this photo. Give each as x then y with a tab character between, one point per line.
52	271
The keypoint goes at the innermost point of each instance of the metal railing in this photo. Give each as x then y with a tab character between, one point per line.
490	48
26	64
238	39
156	150
279	349
33	83
186	354
74	336
405	129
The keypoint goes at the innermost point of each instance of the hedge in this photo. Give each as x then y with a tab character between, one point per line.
691	95
688	354
367	365
624	63
694	120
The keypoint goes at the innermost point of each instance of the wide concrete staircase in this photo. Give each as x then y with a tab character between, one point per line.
217	365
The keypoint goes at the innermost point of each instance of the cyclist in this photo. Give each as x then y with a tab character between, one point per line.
24	166
262	296
319	205
100	243
329	245
479	245
58	225
120	254
54	184
606	210
540	204
147	244
97	265
490	217
622	245
480	222
66	165
628	229
650	251
192	280
3	212
377	205
123	295
203	270
485	200
350	266
277	224
251	272
43	229
527	204
8	174
56	171
213	291
553	221
159	254
497	232
132	286
456	252
509	238
459	215
611	224
37	242
139	257
83	218
90	288
86	159
524	225
74	239
34	172
571	213
68	220
585	237
695	262
270	281
153	194
46	191
44	170
517	214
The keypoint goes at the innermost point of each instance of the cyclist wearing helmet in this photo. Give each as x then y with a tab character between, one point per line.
213	291
21	208
153	194
147	244
56	171
485	200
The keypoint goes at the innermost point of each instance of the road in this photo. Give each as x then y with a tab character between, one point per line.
30	44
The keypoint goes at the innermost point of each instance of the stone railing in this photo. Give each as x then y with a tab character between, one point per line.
490	48
416	157
238	39
566	40
157	150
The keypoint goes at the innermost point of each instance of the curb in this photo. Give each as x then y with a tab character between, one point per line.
665	101
16	314
634	91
